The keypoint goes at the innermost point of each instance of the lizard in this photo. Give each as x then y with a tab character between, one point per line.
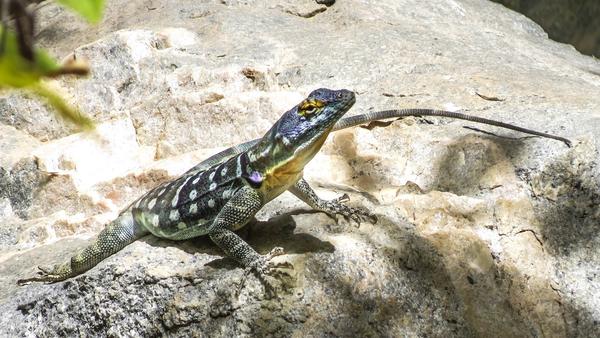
223	193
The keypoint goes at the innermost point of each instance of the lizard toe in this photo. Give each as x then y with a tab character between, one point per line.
276	251
264	264
358	215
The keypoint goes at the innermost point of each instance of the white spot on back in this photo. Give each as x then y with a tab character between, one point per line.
213	186
155	220
224	171
227	193
176	198
174	215
152	203
196	179
181	225
193	208
211	176
193	194
211	203
162	191
238	169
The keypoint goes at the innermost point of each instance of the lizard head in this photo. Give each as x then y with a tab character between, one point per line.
301	131
312	118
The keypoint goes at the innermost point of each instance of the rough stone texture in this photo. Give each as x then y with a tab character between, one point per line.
477	235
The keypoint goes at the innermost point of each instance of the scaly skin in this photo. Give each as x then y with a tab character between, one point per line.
114	237
224	192
216	198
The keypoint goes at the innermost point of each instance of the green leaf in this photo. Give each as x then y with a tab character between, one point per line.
89	9
16	71
62	107
19	72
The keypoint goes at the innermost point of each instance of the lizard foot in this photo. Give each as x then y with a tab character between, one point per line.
337	207
45	275
263	266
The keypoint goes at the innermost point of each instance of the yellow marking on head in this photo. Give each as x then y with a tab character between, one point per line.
310	106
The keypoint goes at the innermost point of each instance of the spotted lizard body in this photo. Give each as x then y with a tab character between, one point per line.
224	192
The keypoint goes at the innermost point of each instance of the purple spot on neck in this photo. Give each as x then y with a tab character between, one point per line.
255	177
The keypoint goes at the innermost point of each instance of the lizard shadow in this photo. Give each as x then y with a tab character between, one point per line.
279	230
413	268
262	236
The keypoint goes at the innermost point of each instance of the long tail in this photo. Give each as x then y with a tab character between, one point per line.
356	120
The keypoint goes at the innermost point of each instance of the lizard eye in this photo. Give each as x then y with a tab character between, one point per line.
308	108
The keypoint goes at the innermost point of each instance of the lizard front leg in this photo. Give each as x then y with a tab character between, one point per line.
114	237
240	209
333	207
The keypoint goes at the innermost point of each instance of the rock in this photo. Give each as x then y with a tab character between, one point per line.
20	184
478	235
110	151
15	145
556	17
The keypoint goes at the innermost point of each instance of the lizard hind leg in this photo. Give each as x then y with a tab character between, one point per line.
240	209
114	237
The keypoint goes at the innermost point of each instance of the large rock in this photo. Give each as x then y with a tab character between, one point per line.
478	235
570	21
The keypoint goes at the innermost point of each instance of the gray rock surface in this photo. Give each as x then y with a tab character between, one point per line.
477	235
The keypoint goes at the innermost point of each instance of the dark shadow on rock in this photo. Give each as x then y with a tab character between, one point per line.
569	220
467	159
20	184
280	231
408	294
426	270
263	236
201	244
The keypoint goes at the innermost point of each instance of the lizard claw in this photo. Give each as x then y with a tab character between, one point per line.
48	275
358	215
43	275
264	265
276	251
